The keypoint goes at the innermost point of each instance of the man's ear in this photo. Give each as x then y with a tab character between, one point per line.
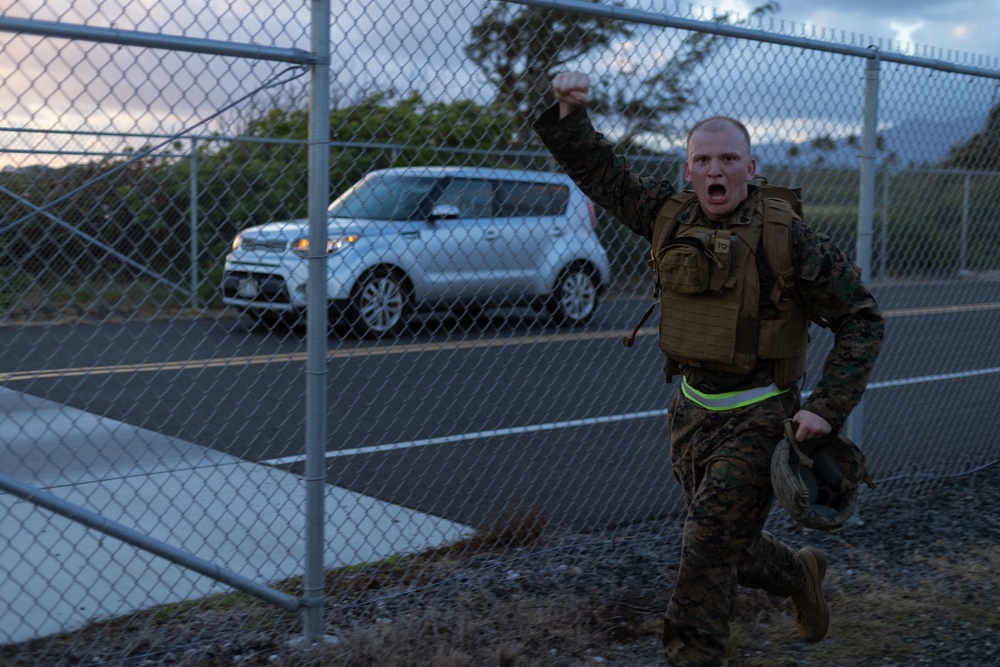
687	172
751	169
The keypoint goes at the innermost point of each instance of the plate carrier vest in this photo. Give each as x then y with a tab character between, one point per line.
708	289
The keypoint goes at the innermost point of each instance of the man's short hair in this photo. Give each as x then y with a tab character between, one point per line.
715	123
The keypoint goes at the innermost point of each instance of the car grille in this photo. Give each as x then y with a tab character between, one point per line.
264	245
267	288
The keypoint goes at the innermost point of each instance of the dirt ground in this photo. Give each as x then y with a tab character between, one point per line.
915	582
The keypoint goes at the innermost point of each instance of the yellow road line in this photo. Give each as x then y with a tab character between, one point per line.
939	310
300	357
413	348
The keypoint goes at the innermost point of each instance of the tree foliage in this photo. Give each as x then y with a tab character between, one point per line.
267	181
108	212
520	49
982	151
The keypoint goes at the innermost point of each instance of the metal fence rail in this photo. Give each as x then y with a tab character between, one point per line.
157	445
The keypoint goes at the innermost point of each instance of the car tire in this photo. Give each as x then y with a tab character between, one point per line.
574	300
381	305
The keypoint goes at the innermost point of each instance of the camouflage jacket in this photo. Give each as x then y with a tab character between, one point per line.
829	285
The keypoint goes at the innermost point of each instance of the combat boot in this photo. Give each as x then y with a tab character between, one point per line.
812	614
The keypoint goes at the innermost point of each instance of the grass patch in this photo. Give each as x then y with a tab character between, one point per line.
24	301
511	528
875	620
512	594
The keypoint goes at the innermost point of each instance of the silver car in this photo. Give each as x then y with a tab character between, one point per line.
416	239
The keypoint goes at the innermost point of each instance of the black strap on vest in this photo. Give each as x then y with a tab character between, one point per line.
629	341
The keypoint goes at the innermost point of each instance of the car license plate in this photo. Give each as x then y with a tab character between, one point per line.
248	288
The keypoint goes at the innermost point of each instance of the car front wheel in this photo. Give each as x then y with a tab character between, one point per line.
575	298
381	305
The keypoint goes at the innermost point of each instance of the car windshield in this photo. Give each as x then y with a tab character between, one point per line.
384	197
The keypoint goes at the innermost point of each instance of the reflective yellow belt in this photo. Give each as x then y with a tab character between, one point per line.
730	399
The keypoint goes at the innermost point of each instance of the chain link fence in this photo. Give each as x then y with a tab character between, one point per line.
176	420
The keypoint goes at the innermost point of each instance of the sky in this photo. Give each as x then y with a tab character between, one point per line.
415	44
966	26
959	31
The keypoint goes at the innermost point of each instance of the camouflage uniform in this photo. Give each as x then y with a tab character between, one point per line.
722	458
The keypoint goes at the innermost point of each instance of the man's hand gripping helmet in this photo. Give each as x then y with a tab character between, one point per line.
817	481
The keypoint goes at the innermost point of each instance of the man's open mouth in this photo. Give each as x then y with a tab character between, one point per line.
717	193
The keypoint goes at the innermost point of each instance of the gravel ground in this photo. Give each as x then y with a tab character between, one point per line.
915	582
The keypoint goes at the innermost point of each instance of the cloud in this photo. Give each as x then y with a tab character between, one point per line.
382	44
968	26
904	34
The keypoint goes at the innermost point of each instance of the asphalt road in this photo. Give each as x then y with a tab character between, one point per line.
467	422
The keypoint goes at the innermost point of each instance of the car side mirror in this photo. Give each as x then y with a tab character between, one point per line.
444	212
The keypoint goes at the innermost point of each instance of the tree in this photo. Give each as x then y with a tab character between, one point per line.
521	48
824	143
383	129
243	183
982	151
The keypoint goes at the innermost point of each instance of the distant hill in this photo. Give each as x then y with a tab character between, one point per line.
915	142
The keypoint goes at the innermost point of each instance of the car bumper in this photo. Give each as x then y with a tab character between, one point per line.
247	285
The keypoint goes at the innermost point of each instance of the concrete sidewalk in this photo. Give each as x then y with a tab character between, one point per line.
57	575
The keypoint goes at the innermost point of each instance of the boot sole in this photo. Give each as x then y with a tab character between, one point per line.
815	563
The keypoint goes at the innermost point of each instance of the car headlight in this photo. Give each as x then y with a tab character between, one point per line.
237	242
300	246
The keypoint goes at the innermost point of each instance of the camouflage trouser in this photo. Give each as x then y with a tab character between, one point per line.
722	460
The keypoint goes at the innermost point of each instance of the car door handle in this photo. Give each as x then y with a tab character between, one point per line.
492	234
555	230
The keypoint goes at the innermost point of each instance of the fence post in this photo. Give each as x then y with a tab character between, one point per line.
885	269
316	323
193	216
866	204
963	249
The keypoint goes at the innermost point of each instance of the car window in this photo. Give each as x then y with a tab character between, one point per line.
521	199
384	197
474	198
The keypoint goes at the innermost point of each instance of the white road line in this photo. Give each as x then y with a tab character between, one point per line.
370	352
575	423
933	378
462	437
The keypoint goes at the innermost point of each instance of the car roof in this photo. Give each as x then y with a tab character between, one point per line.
479	172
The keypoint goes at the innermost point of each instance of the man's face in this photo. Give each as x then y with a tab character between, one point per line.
719	167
